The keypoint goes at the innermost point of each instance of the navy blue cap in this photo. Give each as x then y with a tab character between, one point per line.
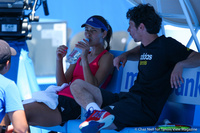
94	22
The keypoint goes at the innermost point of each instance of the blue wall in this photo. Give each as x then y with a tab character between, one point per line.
76	12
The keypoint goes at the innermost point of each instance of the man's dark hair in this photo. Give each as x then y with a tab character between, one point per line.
2	65
145	13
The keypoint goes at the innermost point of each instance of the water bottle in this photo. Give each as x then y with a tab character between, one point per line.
75	54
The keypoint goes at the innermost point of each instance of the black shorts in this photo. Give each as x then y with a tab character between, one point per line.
68	108
127	109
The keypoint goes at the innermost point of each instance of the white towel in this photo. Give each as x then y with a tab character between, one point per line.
48	97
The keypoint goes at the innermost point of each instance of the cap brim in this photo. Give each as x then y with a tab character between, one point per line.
13	51
83	25
90	24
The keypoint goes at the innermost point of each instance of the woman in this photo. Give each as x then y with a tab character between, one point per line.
93	67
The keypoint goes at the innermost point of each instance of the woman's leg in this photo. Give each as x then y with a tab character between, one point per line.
41	115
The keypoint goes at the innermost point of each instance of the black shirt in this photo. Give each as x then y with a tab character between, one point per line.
156	63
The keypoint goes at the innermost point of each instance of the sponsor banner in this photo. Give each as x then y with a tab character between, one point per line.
188	93
129	75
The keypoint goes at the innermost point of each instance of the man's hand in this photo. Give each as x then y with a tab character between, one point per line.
120	60
176	76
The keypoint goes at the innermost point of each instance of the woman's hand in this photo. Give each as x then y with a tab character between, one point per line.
85	47
61	52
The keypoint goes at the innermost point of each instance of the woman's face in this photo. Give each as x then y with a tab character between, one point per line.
95	35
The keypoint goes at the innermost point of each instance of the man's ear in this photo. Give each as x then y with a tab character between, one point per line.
7	66
141	26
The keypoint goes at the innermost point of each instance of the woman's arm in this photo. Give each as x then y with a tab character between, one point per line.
105	67
61	76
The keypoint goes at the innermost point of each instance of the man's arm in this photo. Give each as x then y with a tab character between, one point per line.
133	54
192	61
18	120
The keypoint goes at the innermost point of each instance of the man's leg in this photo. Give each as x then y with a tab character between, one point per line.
85	93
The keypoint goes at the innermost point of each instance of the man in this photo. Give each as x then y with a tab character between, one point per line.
10	101
161	62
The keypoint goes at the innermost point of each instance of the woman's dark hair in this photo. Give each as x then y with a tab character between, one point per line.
145	13
109	32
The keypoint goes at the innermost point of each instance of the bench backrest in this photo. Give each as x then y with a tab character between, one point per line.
115	84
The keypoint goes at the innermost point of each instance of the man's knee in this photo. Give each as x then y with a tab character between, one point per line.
76	84
77	81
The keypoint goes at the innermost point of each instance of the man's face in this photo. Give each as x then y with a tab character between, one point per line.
133	31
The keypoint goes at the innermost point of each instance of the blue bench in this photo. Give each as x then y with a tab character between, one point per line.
182	106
